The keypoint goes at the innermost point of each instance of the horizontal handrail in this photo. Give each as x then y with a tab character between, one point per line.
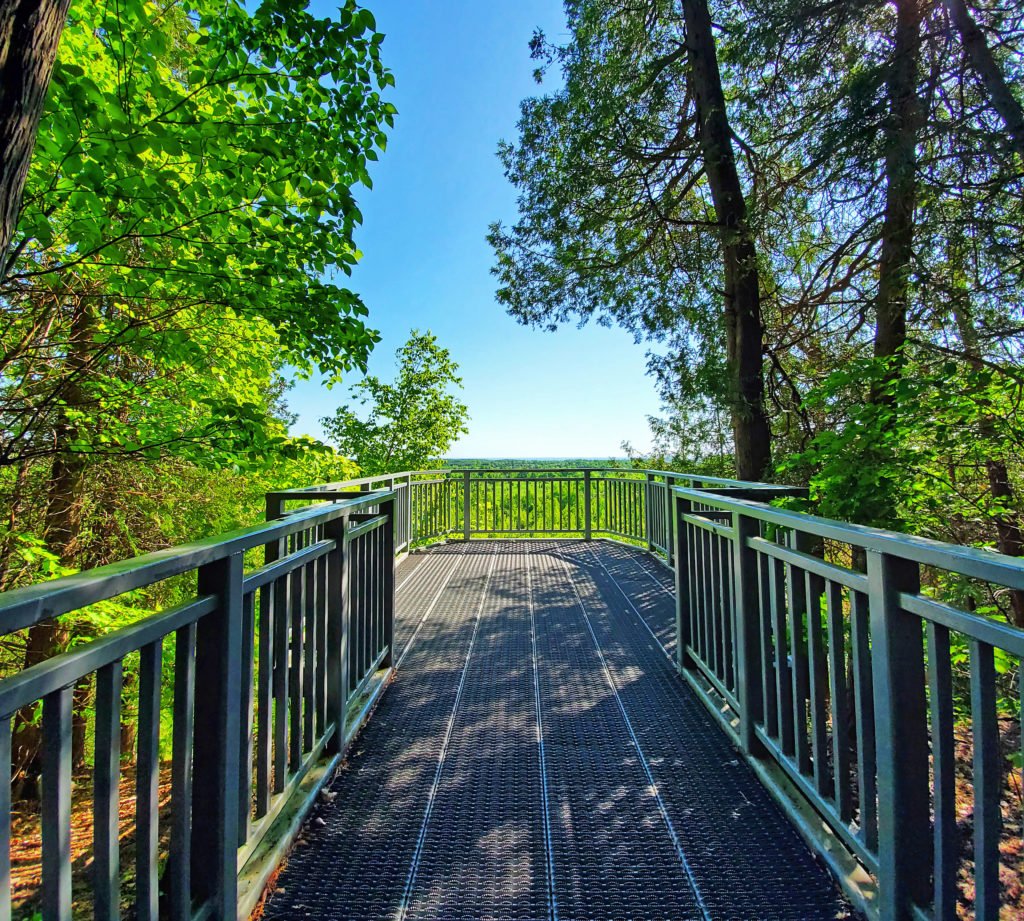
271	572
987	565
23	607
359	481
51	675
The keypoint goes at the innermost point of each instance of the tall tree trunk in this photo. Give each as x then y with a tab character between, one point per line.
901	135
895	260
744	327
992	79
1009	533
62	528
29	33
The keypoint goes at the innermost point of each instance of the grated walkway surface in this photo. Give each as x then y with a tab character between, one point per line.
538	758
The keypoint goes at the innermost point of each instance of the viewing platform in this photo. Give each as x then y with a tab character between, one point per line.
533	695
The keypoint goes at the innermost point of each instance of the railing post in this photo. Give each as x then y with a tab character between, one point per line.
275	507
406	537
56	805
465	505
648	529
388	584
901	734
749	667
275	511
393	505
216	768
586	506
677	510
337	632
669	550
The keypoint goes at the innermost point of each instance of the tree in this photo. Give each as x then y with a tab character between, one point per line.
902	128
411	422
184	221
889	181
742	293
633	205
991	75
187	214
29	33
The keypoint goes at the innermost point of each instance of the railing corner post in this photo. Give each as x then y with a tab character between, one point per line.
587	520
337	631
216	762
405	535
749	666
647	529
275	506
275	511
676	533
904	836
465	504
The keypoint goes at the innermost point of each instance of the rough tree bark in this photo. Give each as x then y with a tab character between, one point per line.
29	33
992	79
901	135
744	326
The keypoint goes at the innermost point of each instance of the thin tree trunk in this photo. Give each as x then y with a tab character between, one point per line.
7	542
894	265
61	529
29	33
992	79
744	327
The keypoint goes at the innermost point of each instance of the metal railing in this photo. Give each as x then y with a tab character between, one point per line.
425	505
490	502
826	650
631	504
273	670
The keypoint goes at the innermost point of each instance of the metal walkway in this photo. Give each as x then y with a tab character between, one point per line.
538	758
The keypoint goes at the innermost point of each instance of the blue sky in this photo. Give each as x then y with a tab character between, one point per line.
462	67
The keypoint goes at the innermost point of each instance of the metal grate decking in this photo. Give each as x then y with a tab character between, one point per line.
538	758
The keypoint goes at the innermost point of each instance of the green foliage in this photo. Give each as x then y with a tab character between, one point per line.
187	221
516	464
411	422
915	460
187	213
615	218
691	437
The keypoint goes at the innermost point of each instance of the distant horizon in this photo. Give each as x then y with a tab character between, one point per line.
544	457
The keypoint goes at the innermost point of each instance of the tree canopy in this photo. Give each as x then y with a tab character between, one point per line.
186	230
407	424
185	213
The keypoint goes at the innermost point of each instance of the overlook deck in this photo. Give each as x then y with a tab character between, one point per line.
546	751
539	757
